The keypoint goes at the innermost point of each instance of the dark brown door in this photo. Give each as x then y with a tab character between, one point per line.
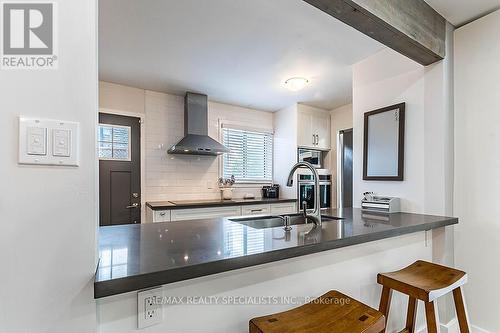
119	141
346	167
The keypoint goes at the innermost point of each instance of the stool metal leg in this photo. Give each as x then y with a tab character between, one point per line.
411	316
432	317
461	312
385	304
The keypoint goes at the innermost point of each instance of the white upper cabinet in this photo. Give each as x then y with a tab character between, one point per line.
313	128
321	126
306	137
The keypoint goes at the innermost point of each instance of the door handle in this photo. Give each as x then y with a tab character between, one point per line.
134	205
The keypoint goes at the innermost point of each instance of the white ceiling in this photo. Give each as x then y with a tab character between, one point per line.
459	12
236	51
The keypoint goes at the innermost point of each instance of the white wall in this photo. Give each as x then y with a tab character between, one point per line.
177	177
341	119
121	98
381	80
388	78
477	162
285	148
49	214
439	162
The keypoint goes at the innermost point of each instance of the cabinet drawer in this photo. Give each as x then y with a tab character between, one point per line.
284	208
161	216
204	213
256	210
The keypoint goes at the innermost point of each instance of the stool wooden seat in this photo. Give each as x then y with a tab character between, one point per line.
427	282
333	312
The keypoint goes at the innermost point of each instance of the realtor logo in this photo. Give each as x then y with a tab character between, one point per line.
28	35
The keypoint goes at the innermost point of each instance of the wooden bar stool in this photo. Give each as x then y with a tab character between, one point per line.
427	282
331	313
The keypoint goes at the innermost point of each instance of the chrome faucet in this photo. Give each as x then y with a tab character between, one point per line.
315	217
304	209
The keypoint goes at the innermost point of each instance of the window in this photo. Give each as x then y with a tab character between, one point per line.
242	240
251	156
113	263
114	142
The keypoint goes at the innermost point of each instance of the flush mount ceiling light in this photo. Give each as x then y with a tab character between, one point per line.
296	83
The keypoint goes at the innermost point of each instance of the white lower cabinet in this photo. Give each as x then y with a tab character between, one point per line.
161	216
153	216
204	213
256	210
284	208
168	215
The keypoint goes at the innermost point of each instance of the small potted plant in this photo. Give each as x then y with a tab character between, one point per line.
225	186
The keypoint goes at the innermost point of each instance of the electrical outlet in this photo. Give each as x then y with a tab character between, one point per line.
149	307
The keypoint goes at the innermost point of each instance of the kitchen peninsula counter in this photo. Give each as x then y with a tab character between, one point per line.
167	252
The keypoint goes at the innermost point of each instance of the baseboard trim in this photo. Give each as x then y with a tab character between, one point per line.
476	329
450	327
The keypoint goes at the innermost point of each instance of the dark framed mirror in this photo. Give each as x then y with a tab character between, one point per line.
383	146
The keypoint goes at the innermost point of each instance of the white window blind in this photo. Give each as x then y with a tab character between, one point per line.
241	240
251	156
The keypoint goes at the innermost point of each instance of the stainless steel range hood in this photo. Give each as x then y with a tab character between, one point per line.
196	140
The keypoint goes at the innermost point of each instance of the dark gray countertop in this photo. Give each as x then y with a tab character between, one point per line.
161	205
134	257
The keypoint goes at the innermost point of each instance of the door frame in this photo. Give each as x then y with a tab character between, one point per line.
340	164
142	117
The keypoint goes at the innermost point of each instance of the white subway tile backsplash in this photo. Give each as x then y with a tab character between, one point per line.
177	177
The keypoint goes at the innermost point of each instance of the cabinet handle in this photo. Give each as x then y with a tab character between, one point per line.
314	139
256	210
162	214
134	205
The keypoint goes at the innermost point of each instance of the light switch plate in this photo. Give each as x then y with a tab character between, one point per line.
48	142
149	307
36	141
61	142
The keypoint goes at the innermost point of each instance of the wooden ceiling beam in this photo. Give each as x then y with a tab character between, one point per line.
410	27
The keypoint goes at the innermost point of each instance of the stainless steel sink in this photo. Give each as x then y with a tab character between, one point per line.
263	222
